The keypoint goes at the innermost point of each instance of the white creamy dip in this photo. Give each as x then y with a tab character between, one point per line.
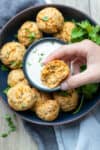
35	57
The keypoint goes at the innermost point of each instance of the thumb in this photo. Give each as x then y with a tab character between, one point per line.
77	80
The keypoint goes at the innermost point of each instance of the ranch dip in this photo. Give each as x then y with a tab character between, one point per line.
35	58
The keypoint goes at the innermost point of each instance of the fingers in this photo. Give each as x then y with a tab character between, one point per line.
77	80
70	51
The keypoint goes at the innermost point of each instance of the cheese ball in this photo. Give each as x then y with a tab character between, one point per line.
20	97
67	100
50	20
48	110
65	33
28	33
54	73
40	97
12	54
16	76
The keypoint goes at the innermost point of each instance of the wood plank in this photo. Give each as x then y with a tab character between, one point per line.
95	10
78	4
19	140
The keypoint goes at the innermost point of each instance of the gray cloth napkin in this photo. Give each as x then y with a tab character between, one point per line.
83	135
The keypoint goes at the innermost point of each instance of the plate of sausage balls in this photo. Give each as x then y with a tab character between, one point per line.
25	41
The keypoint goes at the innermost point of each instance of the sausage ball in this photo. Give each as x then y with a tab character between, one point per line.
16	76
40	97
20	97
48	110
29	33
67	100
50	20
54	73
65	33
12	54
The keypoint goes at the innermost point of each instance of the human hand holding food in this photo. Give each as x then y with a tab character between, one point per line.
85	52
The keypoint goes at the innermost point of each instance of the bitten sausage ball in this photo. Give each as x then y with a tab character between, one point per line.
54	73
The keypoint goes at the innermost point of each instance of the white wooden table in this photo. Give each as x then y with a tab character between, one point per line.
21	138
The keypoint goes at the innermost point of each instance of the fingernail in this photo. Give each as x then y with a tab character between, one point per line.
64	86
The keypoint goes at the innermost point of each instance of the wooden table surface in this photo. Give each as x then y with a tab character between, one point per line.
21	138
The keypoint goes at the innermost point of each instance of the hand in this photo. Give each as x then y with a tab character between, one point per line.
85	52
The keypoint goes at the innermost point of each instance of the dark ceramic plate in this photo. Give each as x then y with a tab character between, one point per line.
7	34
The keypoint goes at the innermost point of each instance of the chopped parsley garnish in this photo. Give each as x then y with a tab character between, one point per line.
80	106
63	93
27	30
45	18
11	126
16	36
42	54
31	36
16	64
23	106
28	63
5	91
40	59
13	63
4	68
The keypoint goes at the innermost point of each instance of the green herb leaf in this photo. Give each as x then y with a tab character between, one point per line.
16	36
4	135
6	90
89	89
12	127
63	93
45	18
31	36
40	59
4	68
85	30
79	107
77	33
42	54
28	63
16	64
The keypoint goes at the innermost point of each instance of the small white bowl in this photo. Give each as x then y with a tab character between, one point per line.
34	57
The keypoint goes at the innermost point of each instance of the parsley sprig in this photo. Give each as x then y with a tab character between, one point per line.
85	30
5	91
11	126
45	18
4	68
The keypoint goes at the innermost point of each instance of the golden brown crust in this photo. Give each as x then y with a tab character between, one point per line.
54	73
67	101
50	20
40	97
48	110
65	33
12	54
29	33
16	76
20	97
